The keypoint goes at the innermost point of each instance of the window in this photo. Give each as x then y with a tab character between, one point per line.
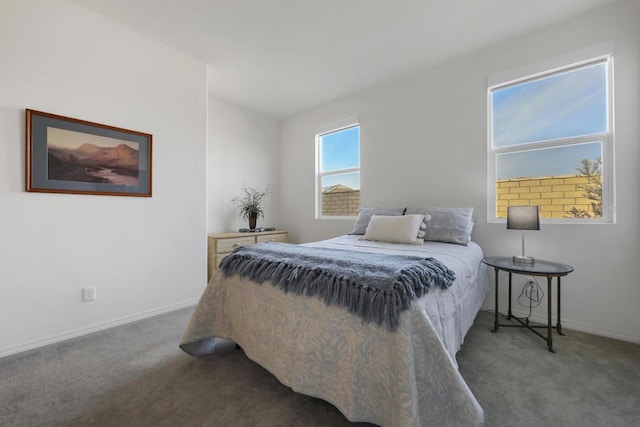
338	172
550	144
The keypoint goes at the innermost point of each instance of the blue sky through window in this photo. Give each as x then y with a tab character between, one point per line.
563	105
546	162
341	150
351	180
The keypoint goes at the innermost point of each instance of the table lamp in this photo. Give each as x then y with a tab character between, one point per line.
523	218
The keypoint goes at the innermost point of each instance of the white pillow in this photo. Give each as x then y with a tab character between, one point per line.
365	213
423	227
395	229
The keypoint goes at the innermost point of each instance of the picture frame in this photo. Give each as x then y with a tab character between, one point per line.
67	155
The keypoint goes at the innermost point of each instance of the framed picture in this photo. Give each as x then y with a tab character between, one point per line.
66	155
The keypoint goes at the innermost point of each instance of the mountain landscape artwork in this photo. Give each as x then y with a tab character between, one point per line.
74	156
82	157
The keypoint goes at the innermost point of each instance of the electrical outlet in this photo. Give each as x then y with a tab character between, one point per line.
88	294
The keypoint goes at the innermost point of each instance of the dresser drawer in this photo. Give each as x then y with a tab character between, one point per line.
228	245
282	237
222	244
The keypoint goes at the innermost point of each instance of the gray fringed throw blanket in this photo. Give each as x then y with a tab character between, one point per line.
375	287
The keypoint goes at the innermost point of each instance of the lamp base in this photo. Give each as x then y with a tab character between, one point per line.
520	259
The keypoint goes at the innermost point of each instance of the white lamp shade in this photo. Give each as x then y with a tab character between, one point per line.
523	218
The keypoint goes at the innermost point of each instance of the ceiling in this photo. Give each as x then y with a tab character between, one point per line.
281	57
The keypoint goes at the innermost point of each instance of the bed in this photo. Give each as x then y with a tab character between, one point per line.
407	376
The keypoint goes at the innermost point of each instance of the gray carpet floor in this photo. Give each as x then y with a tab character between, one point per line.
135	375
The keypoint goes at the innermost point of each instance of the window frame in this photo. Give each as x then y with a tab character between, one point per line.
319	174
606	138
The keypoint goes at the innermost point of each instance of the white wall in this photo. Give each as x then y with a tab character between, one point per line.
244	148
423	143
144	255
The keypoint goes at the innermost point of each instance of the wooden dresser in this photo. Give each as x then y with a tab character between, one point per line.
222	244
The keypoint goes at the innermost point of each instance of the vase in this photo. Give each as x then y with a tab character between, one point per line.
253	218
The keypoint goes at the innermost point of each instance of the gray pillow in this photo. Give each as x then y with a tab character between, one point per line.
449	225
365	213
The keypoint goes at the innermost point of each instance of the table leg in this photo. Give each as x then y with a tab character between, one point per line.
549	329
495	323
559	325
509	314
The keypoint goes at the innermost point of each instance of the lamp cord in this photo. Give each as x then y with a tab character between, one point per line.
533	292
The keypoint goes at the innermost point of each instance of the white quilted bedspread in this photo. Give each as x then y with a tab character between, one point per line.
404	378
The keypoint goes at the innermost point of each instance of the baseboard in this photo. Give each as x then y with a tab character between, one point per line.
162	310
568	324
95	328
